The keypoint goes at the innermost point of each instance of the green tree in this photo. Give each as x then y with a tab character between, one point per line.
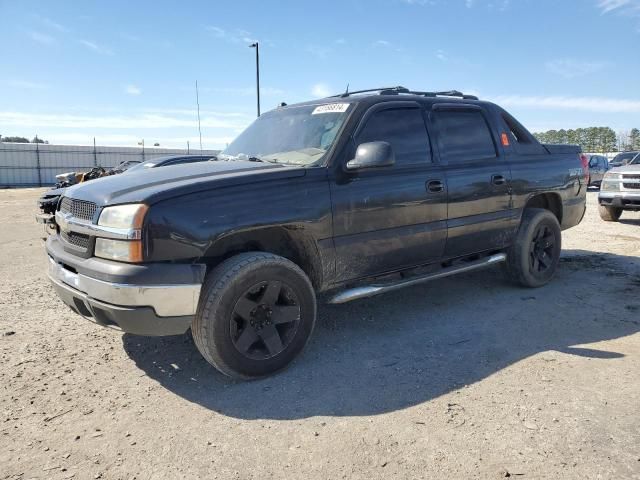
15	140
634	139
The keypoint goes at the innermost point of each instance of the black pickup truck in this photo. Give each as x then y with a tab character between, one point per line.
354	195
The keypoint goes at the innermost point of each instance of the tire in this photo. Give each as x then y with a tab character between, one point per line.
533	258
609	214
256	313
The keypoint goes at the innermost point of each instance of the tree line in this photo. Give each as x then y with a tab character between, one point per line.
21	140
594	139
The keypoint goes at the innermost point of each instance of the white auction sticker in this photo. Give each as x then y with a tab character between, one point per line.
331	108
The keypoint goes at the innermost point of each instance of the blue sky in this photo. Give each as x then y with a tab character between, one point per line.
125	70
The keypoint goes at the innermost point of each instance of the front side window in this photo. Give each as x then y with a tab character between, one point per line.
463	135
295	135
404	129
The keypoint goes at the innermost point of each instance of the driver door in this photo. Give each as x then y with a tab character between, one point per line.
389	218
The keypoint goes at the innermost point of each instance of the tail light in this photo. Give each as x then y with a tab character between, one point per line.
585	165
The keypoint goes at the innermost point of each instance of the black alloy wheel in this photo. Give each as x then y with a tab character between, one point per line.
265	320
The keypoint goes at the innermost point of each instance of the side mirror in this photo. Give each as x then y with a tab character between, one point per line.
372	155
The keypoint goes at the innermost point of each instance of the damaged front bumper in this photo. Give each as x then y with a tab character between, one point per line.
153	299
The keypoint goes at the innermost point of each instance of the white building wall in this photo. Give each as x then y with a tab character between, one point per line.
27	164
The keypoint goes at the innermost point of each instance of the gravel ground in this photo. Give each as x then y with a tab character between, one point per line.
467	377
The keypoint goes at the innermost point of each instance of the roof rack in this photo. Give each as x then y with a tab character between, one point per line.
402	90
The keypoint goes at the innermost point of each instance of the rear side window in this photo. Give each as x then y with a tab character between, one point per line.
404	129
463	135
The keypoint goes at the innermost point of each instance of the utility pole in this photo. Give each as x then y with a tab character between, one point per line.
257	47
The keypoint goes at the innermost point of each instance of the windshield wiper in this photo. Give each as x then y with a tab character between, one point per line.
258	159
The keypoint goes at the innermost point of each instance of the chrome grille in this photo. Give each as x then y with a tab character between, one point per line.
78	208
76	239
631	186
631	176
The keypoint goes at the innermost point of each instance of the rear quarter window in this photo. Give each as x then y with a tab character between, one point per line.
463	135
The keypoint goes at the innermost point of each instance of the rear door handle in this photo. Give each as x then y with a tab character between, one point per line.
498	179
435	186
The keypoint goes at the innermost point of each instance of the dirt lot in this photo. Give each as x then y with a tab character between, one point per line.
464	378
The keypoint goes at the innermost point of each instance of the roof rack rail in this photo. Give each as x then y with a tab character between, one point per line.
403	90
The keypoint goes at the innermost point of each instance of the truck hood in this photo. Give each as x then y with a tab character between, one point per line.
156	184
626	169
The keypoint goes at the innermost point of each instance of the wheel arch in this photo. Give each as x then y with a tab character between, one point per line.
548	201
290	242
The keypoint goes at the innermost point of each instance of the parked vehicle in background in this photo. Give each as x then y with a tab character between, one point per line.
620	191
170	160
598	166
358	194
48	202
622	159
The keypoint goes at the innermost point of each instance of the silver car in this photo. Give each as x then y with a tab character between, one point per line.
620	191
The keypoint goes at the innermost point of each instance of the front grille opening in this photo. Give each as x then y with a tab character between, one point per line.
82	308
69	268
76	239
78	208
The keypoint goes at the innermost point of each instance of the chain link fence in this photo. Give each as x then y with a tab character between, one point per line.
37	164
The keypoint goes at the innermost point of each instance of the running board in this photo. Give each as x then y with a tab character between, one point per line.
366	291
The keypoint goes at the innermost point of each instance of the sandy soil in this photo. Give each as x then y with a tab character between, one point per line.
468	377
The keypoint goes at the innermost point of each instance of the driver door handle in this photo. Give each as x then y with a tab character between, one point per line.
435	186
498	179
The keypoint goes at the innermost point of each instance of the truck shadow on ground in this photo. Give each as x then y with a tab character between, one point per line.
405	348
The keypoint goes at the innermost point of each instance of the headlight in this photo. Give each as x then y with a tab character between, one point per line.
611	182
123	216
119	250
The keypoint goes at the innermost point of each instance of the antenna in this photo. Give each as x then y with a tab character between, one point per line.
347	90
198	105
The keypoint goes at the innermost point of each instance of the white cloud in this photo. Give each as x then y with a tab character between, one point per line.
570	68
318	51
588	104
27	85
630	7
381	43
54	25
119	122
42	38
96	48
441	55
237	35
320	90
243	91
132	90
117	140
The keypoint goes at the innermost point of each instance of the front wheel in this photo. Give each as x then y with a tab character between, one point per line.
256	313
609	214
533	258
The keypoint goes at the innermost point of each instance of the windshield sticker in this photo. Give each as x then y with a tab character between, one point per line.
331	108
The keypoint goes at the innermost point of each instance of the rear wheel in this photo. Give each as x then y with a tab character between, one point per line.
533	258
256	313
609	214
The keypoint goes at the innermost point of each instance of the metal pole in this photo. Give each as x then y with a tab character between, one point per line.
257	47
198	105
95	155
38	163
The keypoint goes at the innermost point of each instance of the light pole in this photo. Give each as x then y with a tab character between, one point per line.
255	45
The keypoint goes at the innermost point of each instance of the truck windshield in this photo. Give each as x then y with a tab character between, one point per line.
295	135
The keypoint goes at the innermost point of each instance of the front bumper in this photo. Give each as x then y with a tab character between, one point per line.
626	200
154	299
